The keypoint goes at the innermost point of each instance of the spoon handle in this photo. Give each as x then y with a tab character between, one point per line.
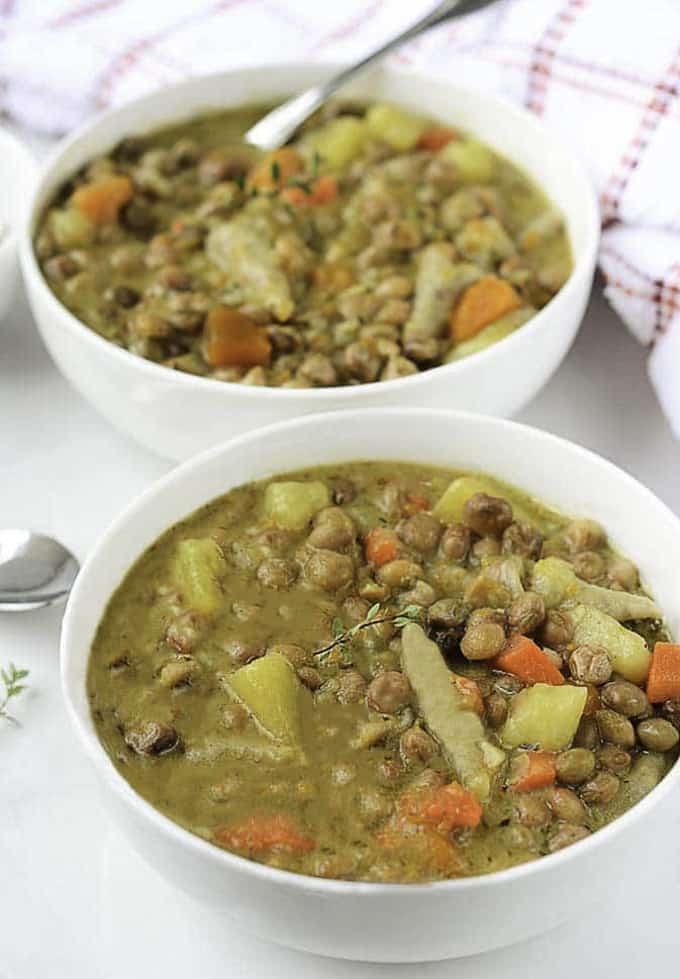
279	125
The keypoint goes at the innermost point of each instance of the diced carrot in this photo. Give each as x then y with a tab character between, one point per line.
532	770
262	831
381	545
470	691
523	658
232	339
663	681
452	807
416	502
444	809
324	190
436	138
101	200
430	851
481	303
295	196
275	169
333	276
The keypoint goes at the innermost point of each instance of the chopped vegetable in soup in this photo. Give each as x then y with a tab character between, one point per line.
378	244
386	672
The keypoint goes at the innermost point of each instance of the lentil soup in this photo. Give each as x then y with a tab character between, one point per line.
386	672
376	245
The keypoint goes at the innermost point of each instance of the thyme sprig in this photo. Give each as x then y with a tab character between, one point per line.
410	613
11	680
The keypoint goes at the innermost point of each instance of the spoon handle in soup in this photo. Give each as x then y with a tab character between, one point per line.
278	126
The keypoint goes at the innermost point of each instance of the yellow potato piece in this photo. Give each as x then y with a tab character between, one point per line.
398	128
271	692
339	141
475	163
544	715
293	504
198	567
628	651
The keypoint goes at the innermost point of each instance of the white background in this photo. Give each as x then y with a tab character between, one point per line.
75	902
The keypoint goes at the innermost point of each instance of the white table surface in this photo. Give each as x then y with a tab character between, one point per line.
75	902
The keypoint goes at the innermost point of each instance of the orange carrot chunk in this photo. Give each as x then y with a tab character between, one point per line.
444	809
436	138
416	502
295	196
381	546
532	770
324	190
428	850
232	339
470	691
663	681
265	832
275	169
482	303
524	659
101	200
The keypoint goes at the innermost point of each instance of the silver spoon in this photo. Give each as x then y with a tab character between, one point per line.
34	571
277	127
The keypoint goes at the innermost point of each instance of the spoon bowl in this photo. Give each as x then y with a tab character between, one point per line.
35	571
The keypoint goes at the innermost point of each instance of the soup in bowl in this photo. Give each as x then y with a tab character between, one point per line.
407	248
385	687
377	244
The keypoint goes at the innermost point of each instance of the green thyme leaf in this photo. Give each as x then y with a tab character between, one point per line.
11	681
337	627
373	617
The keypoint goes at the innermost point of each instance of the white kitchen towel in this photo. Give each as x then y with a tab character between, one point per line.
604	73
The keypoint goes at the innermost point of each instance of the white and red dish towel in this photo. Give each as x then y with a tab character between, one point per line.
604	73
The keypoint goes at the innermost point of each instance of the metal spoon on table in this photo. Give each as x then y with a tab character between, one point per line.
35	571
277	127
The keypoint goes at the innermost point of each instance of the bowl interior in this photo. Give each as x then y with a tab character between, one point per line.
570	478
511	130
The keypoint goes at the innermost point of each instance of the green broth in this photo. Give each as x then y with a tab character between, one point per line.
348	263
162	688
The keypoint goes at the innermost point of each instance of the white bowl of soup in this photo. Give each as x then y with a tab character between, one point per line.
427	245
319	840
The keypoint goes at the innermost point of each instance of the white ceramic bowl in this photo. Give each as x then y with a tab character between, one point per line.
18	173
176	414
380	922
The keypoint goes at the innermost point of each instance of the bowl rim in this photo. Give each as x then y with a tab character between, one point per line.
584	263
156	821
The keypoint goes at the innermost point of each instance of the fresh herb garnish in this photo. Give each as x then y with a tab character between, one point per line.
276	171
316	163
410	613
11	680
301	182
240	181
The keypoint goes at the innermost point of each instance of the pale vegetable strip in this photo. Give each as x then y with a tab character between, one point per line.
556	582
445	711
